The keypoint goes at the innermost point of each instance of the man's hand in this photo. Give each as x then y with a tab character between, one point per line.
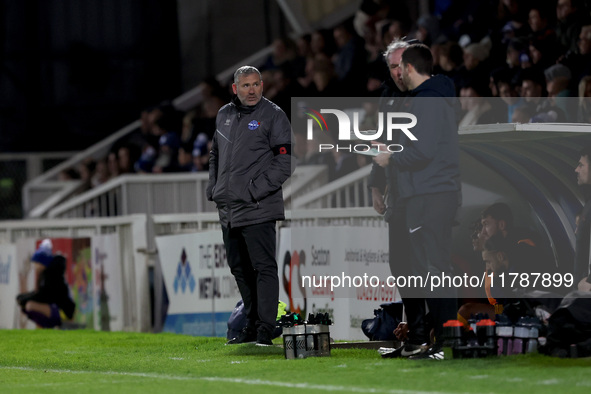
378	200
584	285
401	332
383	158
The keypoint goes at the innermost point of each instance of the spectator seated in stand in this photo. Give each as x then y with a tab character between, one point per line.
508	93
532	90
167	160
200	153
146	161
195	157
558	78
185	158
584	108
475	101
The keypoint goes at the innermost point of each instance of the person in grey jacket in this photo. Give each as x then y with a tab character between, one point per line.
249	161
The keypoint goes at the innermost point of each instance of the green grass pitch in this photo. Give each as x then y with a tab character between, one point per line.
54	361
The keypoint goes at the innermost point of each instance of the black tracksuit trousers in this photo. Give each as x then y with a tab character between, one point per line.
250	252
420	238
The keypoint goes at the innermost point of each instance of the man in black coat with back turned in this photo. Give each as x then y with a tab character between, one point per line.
429	194
249	161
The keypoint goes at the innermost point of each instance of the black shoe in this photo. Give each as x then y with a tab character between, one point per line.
403	351
410	349
391	353
247	335
434	352
264	338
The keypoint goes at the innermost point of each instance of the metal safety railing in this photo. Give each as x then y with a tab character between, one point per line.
168	194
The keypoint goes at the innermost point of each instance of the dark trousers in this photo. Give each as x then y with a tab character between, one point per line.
400	265
251	256
420	243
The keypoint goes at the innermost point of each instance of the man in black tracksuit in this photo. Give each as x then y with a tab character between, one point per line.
249	161
429	194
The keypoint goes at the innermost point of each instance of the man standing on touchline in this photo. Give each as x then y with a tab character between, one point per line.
249	161
429	190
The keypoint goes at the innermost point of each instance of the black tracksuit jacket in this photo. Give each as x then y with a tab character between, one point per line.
249	161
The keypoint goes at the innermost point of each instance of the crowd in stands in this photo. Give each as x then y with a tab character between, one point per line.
168	140
530	55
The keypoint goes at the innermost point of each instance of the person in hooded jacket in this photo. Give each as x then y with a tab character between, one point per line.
429	193
249	161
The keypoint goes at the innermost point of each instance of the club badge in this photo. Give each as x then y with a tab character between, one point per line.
253	125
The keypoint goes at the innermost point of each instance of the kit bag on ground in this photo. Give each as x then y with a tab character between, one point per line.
381	327
237	320
569	327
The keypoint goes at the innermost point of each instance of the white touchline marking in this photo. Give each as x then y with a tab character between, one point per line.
514	380
111	373
68	384
549	381
256	382
58	384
